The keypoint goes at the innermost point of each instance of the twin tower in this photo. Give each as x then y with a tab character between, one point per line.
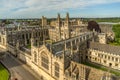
61	26
44	19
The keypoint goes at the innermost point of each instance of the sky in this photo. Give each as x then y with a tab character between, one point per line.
50	8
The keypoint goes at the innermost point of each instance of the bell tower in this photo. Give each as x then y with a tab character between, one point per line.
67	26
44	21
58	18
58	27
67	18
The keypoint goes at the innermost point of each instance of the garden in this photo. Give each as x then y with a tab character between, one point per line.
4	74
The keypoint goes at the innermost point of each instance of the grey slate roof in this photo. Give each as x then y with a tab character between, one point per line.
56	48
105	48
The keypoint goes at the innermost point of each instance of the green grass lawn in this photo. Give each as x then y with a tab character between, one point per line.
4	74
102	68
116	30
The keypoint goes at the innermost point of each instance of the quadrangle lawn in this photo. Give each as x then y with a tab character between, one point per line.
4	74
102	68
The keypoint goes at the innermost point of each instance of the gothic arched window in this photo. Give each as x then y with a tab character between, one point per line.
57	70
44	60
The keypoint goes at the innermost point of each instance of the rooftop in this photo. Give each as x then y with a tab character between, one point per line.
105	48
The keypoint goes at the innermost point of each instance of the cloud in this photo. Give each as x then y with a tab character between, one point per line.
34	7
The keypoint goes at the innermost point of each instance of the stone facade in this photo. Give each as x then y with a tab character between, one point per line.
67	28
78	71
104	54
62	59
102	38
107	29
3	38
51	60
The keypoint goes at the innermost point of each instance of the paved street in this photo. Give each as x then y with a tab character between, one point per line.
19	70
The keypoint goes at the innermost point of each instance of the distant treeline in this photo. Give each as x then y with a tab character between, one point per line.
103	19
116	30
114	19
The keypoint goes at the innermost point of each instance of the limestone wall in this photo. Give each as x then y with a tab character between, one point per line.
104	58
25	57
11	49
3	41
79	71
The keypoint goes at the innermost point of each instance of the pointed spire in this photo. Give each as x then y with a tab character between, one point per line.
58	18
42	21
67	17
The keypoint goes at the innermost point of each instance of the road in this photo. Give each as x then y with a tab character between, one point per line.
19	70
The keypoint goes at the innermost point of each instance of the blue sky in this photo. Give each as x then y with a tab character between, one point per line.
50	8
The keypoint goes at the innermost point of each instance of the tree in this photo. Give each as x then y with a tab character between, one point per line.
93	25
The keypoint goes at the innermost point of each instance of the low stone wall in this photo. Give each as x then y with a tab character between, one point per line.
84	72
11	49
24	57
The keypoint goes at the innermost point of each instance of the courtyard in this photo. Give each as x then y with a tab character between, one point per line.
115	72
4	74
